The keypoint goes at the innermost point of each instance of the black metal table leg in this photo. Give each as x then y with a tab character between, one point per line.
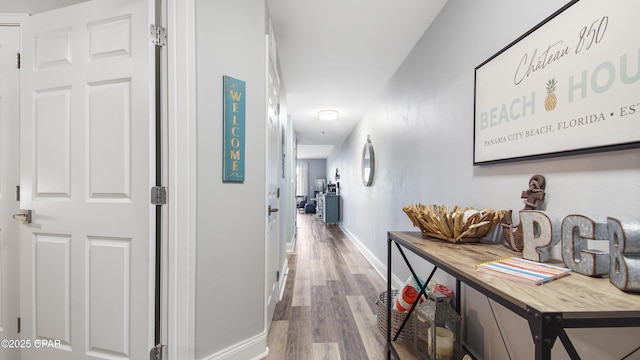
389	297
545	328
423	288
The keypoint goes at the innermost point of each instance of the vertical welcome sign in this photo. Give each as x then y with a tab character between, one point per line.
234	126
570	85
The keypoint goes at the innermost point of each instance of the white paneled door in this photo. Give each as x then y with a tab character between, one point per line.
274	152
9	179
86	136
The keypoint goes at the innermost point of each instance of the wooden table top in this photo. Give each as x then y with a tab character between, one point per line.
577	296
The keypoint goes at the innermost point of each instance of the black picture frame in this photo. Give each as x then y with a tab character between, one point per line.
588	54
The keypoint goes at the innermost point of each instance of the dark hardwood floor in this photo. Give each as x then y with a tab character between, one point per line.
328	310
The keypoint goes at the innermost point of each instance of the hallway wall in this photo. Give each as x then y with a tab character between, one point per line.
421	127
231	221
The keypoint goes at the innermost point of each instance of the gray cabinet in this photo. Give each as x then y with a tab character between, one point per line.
331	209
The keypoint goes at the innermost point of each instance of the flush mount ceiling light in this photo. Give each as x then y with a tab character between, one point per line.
328	114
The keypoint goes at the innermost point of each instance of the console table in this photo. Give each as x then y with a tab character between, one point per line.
575	301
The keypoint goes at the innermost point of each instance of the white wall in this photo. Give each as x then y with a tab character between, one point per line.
230	245
317	170
421	127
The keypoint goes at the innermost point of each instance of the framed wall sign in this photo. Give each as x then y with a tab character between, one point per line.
234	128
570	85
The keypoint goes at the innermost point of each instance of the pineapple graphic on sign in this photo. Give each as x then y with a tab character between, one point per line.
551	100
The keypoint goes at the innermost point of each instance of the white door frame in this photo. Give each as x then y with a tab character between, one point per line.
143	39
10	290
11	19
181	111
181	175
179	260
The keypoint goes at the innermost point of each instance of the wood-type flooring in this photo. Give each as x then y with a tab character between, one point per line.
328	310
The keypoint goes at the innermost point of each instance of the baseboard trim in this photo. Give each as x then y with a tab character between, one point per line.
254	348
379	266
291	245
283	278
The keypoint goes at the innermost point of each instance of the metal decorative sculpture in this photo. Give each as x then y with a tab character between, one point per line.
577	231
540	232
513	233
624	249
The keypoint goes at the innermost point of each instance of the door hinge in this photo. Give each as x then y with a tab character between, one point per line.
19	326
18	60
158	35
157	352
159	195
18	193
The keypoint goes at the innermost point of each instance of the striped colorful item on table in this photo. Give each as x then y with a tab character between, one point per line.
522	270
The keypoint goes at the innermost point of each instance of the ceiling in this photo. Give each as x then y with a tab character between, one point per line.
339	54
334	54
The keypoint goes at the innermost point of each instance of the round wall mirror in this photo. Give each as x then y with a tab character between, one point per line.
368	163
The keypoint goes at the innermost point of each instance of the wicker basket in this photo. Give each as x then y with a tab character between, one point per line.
397	318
